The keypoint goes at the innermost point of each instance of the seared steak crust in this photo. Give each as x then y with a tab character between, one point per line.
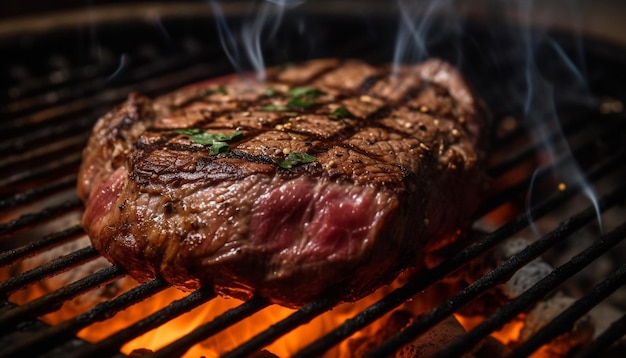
395	175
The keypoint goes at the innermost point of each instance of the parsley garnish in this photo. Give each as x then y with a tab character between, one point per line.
269	92
219	147
305	92
189	132
294	158
217	141
299	102
219	89
301	98
341	112
275	108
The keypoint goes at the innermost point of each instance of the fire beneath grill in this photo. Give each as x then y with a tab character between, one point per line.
261	317
541	274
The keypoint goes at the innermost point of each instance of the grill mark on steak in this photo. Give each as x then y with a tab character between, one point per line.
391	178
297	74
328	142
371	81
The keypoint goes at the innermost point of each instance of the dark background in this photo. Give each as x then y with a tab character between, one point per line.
12	9
599	18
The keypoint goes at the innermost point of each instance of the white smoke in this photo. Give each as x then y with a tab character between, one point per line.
259	28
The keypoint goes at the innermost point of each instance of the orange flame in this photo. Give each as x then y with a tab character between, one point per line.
184	324
239	333
509	333
231	337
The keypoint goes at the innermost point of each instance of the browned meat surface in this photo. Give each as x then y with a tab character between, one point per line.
331	175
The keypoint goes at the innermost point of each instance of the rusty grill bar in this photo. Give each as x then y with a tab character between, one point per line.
50	109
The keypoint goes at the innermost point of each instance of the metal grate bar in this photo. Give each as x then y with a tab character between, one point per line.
55	148
114	342
51	301
528	298
79	125
71	76
561	323
38	192
38	123
53	336
95	84
41	216
594	173
616	331
71	110
429	277
11	256
69	161
522	186
225	320
530	151
296	319
49	269
496	276
121	65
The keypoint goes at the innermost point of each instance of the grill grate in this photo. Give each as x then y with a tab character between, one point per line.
114	342
496	276
560	274
566	319
49	302
47	270
612	334
52	103
42	340
218	324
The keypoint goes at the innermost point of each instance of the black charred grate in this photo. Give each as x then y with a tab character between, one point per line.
54	98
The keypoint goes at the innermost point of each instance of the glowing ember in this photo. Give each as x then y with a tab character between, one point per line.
508	334
184	324
234	336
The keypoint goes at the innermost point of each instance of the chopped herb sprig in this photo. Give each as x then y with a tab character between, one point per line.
270	92
275	108
341	112
305	92
300	102
299	98
294	159
217	141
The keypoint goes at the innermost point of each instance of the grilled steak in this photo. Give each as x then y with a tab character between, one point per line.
331	175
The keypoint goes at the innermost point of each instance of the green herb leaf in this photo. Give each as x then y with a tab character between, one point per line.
219	89
294	158
299	103
274	108
301	98
269	92
205	138
188	131
341	112
305	92
217	141
219	147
